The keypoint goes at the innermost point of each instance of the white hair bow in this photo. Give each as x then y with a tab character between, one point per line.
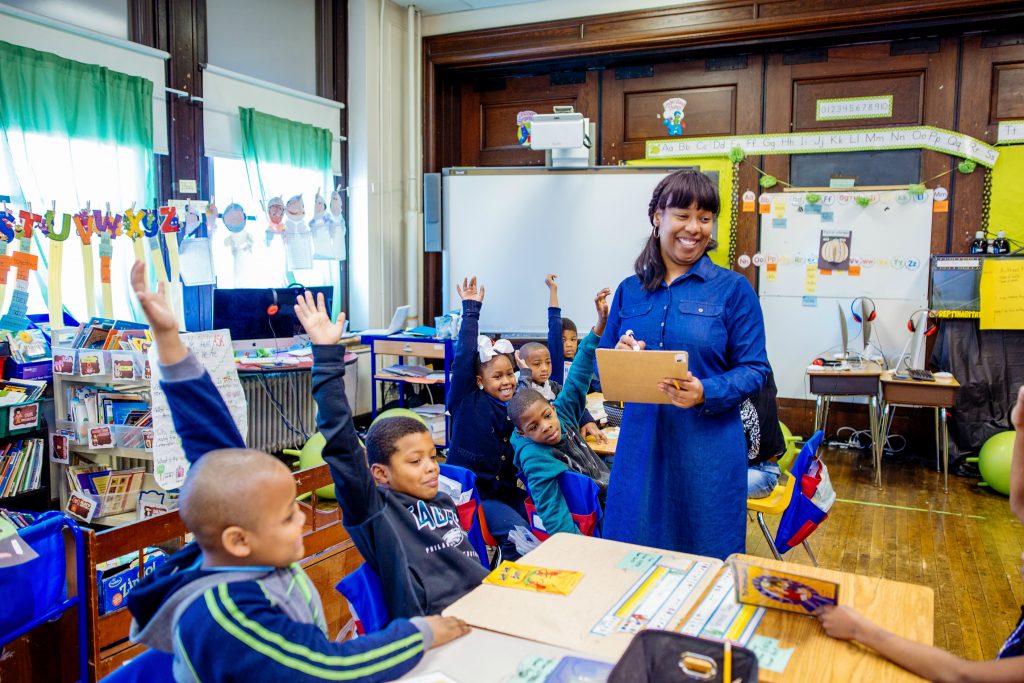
488	349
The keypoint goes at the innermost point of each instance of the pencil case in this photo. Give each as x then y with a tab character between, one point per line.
666	657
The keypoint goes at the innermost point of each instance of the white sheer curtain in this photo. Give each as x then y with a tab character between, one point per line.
42	170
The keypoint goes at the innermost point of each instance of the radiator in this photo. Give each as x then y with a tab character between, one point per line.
282	413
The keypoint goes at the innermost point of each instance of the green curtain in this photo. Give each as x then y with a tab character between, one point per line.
43	93
270	139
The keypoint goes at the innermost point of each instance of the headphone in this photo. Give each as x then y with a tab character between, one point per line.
273	308
856	316
912	326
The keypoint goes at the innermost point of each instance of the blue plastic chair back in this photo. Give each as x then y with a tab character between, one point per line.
152	666
365	593
582	495
801	516
467	480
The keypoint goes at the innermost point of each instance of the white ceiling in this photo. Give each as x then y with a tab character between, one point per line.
431	7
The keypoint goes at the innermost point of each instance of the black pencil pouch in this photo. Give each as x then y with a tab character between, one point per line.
666	657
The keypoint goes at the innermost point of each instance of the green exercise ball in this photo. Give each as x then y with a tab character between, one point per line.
994	460
311	455
399	412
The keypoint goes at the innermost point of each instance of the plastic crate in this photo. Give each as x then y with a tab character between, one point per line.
21	418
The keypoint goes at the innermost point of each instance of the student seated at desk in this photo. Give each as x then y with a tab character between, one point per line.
406	530
930	662
542	367
547	439
235	604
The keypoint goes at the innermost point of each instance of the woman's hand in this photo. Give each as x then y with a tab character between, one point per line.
316	321
684	393
601	303
469	290
627	343
591	430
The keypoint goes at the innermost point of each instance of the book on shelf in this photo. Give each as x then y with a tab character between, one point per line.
114	491
21	466
106	334
14	391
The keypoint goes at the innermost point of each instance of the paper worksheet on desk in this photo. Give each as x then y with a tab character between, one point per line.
212	349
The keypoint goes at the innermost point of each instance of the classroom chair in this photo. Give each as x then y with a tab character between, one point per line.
470	512
364	593
791	450
582	495
776	502
152	666
311	455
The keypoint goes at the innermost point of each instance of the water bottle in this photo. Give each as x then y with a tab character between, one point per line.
1000	245
980	244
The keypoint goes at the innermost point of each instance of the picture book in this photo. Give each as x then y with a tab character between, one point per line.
28	346
756	585
537	579
14	391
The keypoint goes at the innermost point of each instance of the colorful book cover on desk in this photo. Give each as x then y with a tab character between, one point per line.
537	579
756	585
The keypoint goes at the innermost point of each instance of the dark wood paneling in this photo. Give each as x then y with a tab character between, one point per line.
979	114
708	111
906	90
1008	91
488	124
700	24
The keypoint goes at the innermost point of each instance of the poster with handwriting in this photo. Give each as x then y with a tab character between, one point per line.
1002	294
214	351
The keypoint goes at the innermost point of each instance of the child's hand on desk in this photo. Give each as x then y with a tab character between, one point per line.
162	323
446	629
842	622
316	321
469	290
684	393
591	430
601	303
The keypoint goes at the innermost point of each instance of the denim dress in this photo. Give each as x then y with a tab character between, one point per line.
679	479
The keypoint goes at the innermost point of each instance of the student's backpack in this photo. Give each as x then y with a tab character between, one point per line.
813	497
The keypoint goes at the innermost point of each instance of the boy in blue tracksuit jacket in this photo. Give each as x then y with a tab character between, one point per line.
235	605
547	437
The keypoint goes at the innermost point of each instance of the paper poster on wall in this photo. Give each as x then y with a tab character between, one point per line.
834	250
214	351
195	257
299	250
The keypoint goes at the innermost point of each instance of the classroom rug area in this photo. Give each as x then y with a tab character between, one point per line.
966	545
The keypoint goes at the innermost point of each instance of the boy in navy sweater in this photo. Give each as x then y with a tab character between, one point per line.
406	530
547	438
235	605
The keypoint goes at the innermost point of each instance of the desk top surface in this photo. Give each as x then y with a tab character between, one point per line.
865	368
941	382
564	623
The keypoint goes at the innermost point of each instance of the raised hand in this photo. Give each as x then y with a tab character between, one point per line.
601	303
154	304
550	281
316	321
552	290
469	290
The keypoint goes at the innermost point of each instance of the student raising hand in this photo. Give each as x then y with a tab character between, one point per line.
601	303
317	322
162	323
469	290
552	290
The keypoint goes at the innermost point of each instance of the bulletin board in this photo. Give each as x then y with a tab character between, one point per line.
819	251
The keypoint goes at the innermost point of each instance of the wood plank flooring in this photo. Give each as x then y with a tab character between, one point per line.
966	545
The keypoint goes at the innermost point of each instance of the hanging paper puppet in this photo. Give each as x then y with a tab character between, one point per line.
192	219
523	126
338	229
275	217
296	236
672	116
295	214
238	239
320	217
211	215
320	228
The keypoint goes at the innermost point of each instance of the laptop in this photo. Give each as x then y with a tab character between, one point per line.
397	322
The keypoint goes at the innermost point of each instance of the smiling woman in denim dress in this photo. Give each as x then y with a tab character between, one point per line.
679	480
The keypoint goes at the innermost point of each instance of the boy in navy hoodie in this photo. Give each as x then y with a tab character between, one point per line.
406	530
235	605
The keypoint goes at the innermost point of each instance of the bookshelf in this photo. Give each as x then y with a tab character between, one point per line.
36	498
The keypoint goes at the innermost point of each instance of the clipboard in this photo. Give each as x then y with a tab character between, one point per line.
633	376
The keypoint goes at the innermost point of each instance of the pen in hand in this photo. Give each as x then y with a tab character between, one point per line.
636	346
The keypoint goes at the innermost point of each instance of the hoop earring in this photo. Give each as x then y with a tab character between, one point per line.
657	235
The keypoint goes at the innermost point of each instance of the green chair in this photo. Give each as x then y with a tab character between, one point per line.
791	450
311	455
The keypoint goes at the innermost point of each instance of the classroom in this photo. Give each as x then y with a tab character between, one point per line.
434	340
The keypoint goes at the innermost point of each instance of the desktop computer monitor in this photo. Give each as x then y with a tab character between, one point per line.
843	331
915	359
244	313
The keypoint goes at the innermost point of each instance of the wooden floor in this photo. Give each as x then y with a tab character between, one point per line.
966	545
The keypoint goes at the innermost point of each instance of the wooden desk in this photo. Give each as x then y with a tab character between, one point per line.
858	379
533	623
903	608
566	620
940	395
606	450
487	657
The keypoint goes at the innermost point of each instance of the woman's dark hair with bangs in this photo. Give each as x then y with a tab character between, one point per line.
678	190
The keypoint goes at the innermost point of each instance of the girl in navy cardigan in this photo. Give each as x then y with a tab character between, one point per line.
482	382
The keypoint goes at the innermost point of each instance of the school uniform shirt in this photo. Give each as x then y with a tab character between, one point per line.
760	416
418	547
679	480
481	429
248	623
542	464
